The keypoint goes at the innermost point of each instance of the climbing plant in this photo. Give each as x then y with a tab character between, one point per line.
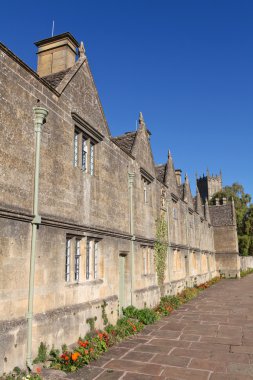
161	249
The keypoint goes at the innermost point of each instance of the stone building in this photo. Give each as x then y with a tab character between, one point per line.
99	199
209	185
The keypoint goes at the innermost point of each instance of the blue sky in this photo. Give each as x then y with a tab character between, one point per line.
186	64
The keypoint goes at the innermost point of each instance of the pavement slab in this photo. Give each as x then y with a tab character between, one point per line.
209	338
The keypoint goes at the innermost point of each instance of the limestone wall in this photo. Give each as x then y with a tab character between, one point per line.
246	262
77	206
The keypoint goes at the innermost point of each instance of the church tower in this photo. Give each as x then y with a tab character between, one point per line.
209	185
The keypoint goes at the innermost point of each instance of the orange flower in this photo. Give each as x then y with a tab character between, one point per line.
38	370
86	352
75	356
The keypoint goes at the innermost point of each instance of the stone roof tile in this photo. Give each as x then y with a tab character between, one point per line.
125	142
55	79
160	172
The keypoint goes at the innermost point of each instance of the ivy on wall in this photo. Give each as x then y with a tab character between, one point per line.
161	250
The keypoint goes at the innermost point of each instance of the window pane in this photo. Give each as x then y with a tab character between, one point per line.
76	148
96	260
84	154
91	158
77	260
145	193
67	261
88	260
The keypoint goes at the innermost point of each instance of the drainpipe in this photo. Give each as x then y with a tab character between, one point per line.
130	186
40	115
187	257
169	245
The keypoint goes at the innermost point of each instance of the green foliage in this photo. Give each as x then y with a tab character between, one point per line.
244	242
42	354
93	345
161	250
173	301
96	343
130	312
91	322
126	327
244	215
170	303
104	314
18	374
251	247
248	221
246	272
145	316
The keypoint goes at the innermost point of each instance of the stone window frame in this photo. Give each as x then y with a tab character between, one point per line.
177	260
147	260
67	259
92	258
85	139
76	249
175	213
146	180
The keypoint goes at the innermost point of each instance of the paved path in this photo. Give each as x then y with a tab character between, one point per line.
209	338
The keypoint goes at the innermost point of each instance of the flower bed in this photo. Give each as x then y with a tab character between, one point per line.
134	320
18	374
94	344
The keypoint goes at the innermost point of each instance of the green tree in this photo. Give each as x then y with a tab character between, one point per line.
248	221
251	247
244	243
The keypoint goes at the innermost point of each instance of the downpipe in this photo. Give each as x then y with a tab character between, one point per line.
40	115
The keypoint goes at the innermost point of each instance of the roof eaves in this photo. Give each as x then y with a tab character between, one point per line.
27	68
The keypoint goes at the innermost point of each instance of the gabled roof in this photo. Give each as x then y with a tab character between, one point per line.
198	203
142	150
55	79
187	195
125	142
165	173
160	172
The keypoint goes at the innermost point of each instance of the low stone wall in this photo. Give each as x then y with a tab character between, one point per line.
246	262
228	264
56	327
65	325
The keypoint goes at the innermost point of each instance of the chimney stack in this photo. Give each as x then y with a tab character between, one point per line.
56	54
178	173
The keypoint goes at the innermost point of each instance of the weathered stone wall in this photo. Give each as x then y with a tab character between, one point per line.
56	327
80	206
246	262
225	239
